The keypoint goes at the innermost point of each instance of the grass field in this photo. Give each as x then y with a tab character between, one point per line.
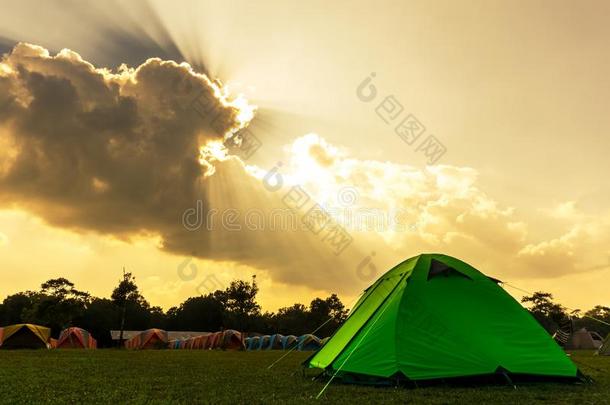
113	376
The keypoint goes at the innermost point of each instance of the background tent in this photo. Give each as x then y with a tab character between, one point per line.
276	342
436	317
308	342
25	336
201	341
188	343
604	350
264	342
231	340
214	341
148	339
254	343
289	342
582	339
76	338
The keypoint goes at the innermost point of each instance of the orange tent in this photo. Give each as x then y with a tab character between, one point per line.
148	339
200	342
213	341
231	340
76	338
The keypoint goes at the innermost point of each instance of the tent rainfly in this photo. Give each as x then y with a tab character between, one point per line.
308	342
583	339
148	339
276	342
75	338
231	340
436	317
253	343
289	342
24	336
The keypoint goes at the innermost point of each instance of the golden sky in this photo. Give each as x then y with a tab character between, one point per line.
98	164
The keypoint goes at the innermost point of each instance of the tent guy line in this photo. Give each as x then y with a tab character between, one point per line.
571	309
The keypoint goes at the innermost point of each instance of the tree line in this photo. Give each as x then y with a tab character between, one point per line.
552	315
58	305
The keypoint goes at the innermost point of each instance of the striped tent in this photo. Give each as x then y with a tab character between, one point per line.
289	342
231	340
174	344
76	338
276	342
200	342
148	339
253	343
188	343
214	341
308	342
264	342
24	336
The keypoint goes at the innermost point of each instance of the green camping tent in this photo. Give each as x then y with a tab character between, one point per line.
436	317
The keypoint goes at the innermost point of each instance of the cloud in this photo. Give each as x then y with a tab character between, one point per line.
117	153
120	153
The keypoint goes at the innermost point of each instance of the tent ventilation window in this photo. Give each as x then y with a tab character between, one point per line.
441	269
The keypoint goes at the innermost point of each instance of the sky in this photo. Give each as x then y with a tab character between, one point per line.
115	118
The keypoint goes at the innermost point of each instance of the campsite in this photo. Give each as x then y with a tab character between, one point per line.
401	336
284	201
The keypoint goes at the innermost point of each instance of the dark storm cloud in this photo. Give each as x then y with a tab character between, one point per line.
87	149
118	154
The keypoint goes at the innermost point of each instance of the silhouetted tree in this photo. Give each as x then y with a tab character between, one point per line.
239	302
293	320
547	313
591	320
15	305
101	316
133	305
58	305
204	313
326	315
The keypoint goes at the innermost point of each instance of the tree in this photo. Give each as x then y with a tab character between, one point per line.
63	289
292	320
125	295
14	307
203	313
101	316
239	301
546	312
57	305
326	315
596	319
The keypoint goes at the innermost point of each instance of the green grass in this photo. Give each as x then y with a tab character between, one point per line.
119	376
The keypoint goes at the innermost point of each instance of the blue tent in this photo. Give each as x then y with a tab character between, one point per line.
253	343
308	342
276	342
289	342
264	342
